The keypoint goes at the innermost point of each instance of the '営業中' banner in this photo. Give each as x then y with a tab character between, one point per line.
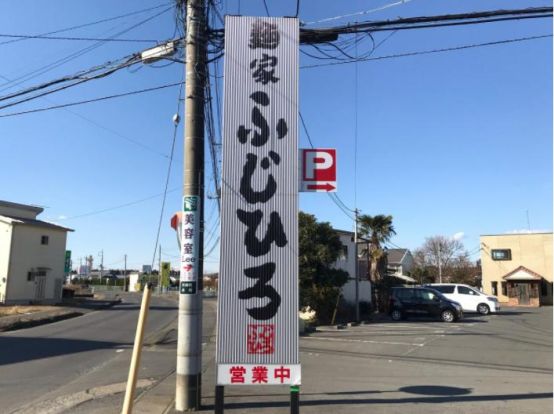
257	334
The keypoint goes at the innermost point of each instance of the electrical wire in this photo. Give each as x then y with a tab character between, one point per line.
361	13
266	9
168	175
78	80
426	52
80	39
37	72
333	196
119	206
109	19
48	108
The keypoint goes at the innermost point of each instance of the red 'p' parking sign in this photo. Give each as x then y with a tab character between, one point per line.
318	170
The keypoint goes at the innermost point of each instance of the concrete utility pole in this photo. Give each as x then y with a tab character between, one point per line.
160	269
101	264
356	276
189	340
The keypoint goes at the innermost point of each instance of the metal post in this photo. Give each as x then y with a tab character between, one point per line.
219	399
357	282
295	399
137	348
189	340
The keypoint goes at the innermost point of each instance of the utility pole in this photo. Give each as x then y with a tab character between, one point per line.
189	340
356	276
125	274
101	264
160	269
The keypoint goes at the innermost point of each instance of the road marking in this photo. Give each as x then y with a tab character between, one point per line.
119	350
363	341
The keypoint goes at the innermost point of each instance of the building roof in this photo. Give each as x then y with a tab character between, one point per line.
27	207
396	255
522	273
32	222
517	234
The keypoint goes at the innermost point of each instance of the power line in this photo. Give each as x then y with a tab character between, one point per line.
109	19
77	78
426	52
48	108
361	13
97	124
81	39
37	72
117	207
175	129
436	21
333	196
266	9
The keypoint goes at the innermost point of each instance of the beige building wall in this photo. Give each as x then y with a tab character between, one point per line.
534	251
5	244
29	254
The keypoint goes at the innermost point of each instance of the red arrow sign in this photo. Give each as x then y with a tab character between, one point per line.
326	187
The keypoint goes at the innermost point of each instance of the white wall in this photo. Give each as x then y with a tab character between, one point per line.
348	264
5	243
28	253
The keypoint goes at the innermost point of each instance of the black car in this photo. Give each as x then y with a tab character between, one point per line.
420	301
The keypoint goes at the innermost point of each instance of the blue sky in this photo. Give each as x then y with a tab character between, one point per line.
447	143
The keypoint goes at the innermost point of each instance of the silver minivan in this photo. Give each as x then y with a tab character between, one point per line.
470	298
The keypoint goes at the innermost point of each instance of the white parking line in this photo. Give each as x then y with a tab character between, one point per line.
363	341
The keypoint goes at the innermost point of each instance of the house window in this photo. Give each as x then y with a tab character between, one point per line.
494	288
504	288
44	240
344	253
501	254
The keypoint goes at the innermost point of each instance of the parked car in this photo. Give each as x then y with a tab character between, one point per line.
470	298
423	301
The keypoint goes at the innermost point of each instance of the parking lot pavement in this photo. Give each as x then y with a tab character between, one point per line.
483	364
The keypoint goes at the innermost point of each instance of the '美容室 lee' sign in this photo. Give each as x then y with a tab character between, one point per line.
257	334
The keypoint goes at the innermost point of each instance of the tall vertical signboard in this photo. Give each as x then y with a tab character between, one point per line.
257	341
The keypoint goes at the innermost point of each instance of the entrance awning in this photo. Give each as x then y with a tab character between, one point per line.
523	274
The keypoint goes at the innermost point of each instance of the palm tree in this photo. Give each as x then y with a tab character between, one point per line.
377	230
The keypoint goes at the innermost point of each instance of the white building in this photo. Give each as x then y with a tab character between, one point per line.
348	262
32	256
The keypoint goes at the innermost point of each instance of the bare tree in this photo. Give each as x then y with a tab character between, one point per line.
440	254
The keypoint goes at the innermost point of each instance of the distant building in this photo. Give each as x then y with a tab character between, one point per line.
400	263
518	268
348	262
32	255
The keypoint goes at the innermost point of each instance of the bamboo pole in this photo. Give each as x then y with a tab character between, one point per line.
137	349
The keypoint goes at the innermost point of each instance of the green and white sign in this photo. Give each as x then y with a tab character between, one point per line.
190	232
67	265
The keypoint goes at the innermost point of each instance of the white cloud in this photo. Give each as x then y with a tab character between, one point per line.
62	217
458	236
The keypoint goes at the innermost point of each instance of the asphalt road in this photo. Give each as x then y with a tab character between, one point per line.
61	359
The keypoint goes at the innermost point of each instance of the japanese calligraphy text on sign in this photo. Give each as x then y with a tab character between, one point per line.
258	284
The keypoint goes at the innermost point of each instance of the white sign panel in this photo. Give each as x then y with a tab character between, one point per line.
318	170
257	334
